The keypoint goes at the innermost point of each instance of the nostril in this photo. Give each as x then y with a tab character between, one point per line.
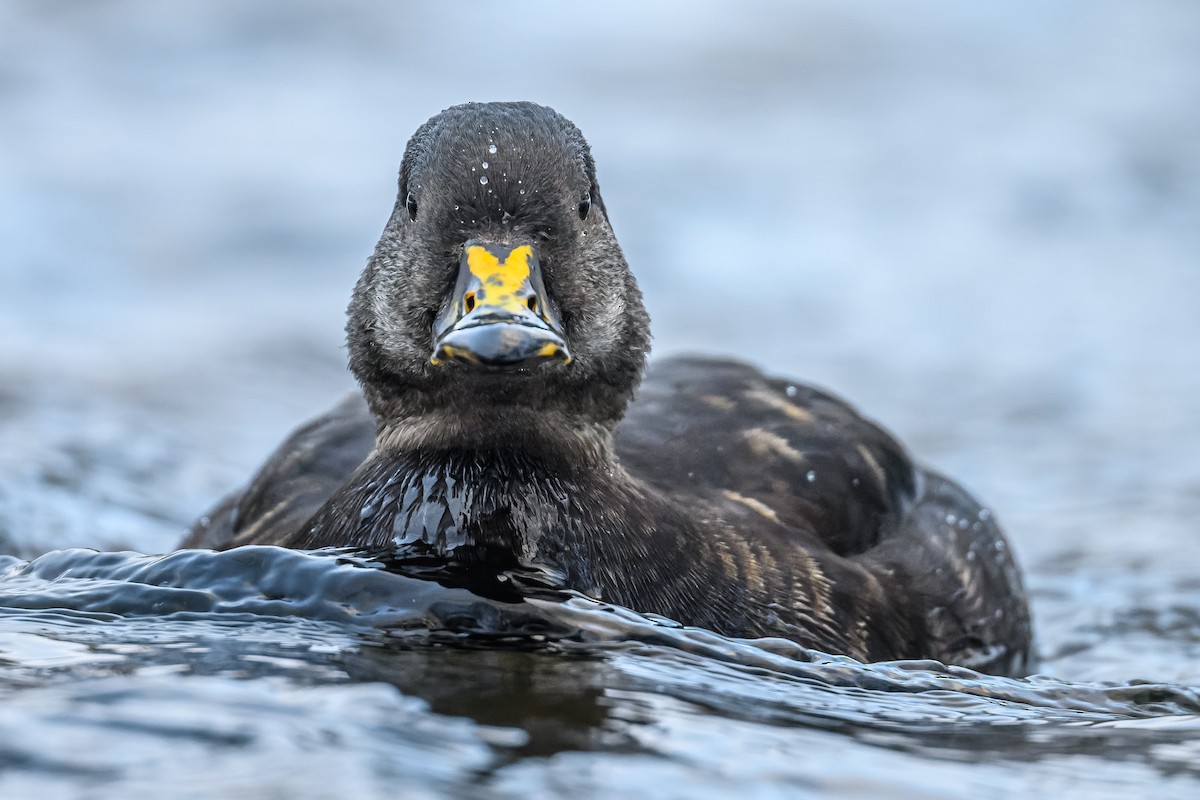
469	302
533	304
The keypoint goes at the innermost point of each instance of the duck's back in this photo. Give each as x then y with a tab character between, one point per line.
779	462
783	459
722	431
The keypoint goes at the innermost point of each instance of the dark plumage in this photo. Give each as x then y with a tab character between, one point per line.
499	338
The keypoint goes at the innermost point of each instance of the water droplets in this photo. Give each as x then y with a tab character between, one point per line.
811	475
485	165
951	519
790	391
492	149
483	180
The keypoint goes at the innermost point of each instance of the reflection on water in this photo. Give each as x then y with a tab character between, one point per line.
977	223
102	638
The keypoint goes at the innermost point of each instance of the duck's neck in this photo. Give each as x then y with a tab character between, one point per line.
586	526
500	509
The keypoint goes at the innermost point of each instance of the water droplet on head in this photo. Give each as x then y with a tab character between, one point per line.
492	148
951	519
811	476
984	514
522	192
483	179
962	523
484	165
791	391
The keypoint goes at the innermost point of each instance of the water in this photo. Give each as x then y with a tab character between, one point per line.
977	223
263	654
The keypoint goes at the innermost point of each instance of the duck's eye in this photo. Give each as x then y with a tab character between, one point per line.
585	206
410	203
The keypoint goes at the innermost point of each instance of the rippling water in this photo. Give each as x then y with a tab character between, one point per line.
977	222
258	659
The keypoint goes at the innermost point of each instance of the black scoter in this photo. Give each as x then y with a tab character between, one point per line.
508	421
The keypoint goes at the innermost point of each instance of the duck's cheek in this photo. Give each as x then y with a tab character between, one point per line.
602	335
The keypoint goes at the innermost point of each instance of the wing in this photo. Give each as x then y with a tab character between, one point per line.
715	429
297	479
950	559
722	432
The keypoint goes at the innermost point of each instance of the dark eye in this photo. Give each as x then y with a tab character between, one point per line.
411	204
585	206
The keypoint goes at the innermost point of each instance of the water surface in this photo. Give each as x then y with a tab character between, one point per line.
977	223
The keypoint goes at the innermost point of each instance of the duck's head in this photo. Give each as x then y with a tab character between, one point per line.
497	309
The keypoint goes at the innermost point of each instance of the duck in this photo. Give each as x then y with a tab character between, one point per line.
509	419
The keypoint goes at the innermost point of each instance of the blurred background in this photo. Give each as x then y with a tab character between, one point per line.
980	222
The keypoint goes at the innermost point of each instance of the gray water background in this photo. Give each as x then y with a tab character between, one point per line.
980	222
